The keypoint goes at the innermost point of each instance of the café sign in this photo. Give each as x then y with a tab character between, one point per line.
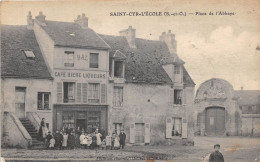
87	75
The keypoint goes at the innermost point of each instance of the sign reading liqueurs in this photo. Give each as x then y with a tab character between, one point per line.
63	74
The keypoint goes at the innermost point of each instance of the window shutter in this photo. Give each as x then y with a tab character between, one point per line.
103	93
168	127
59	92
78	92
147	133
171	96
132	133
85	92
184	128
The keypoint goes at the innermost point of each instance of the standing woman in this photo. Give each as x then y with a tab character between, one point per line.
42	131
98	135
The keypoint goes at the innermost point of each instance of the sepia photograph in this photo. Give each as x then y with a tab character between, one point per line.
114	80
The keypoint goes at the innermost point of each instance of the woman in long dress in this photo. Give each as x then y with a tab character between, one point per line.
65	140
42	131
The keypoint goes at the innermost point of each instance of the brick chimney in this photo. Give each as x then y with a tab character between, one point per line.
41	19
169	39
82	21
29	21
130	36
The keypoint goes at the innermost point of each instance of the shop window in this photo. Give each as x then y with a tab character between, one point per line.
93	92
69	59
68	121
93	60
177	97
43	101
118	69
118	96
69	92
176	127
117	127
177	69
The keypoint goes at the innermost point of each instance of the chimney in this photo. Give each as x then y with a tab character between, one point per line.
41	19
169	39
82	21
130	36
29	21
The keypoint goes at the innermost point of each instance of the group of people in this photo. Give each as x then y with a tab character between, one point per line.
66	139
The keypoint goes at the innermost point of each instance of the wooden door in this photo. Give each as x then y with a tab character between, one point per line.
139	132
215	121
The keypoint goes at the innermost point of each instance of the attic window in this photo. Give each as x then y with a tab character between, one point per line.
29	54
118	69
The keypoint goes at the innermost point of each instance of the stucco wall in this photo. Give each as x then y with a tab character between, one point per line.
33	86
251	126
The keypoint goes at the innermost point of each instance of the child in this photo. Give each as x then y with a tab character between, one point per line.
85	141
48	138
216	156
94	141
52	143
81	138
103	144
116	144
108	141
89	139
113	140
65	140
71	141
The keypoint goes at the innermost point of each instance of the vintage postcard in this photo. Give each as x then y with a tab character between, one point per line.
130	80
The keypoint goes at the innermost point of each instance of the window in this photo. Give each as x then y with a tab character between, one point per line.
118	69
117	127
69	92
29	54
93	60
176	127
44	100
69	59
177	97
177	69
93	92
118	96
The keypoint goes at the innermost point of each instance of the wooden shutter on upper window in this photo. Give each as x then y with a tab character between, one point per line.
171	96
59	92
103	93
78	93
85	92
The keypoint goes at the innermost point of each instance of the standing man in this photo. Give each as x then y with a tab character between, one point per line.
122	137
216	156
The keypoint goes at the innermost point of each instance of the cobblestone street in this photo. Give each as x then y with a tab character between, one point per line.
233	149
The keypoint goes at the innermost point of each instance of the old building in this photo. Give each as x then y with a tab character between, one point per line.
84	80
221	110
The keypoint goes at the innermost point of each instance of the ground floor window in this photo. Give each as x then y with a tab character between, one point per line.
117	127
43	101
176	127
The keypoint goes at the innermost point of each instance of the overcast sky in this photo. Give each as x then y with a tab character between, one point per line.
212	46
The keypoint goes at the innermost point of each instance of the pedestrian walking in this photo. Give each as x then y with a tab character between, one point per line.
216	156
122	137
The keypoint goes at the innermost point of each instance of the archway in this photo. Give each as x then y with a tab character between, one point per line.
215	121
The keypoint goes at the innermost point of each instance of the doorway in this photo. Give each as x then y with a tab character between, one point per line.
139	132
81	124
215	121
20	102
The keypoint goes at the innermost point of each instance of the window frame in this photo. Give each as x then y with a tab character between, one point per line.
29	54
114	97
43	100
122	70
91	97
69	100
91	64
68	62
177	69
173	127
115	125
175	100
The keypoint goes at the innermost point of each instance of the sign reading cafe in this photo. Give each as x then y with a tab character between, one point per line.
63	74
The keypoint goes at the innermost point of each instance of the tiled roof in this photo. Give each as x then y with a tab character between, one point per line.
70	34
248	97
14	63
143	62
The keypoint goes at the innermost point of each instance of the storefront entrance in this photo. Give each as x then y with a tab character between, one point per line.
79	118
215	121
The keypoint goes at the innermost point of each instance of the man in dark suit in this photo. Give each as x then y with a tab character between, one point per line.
122	137
216	156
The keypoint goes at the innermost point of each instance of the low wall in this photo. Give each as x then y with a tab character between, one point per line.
15	133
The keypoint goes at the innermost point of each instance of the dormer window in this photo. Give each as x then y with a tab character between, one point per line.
177	69
69	59
29	54
118	69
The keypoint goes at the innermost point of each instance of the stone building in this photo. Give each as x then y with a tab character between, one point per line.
221	110
80	80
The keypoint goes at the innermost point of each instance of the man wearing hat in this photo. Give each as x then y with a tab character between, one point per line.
48	138
216	156
122	137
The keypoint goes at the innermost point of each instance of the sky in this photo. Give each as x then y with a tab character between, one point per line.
212	46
